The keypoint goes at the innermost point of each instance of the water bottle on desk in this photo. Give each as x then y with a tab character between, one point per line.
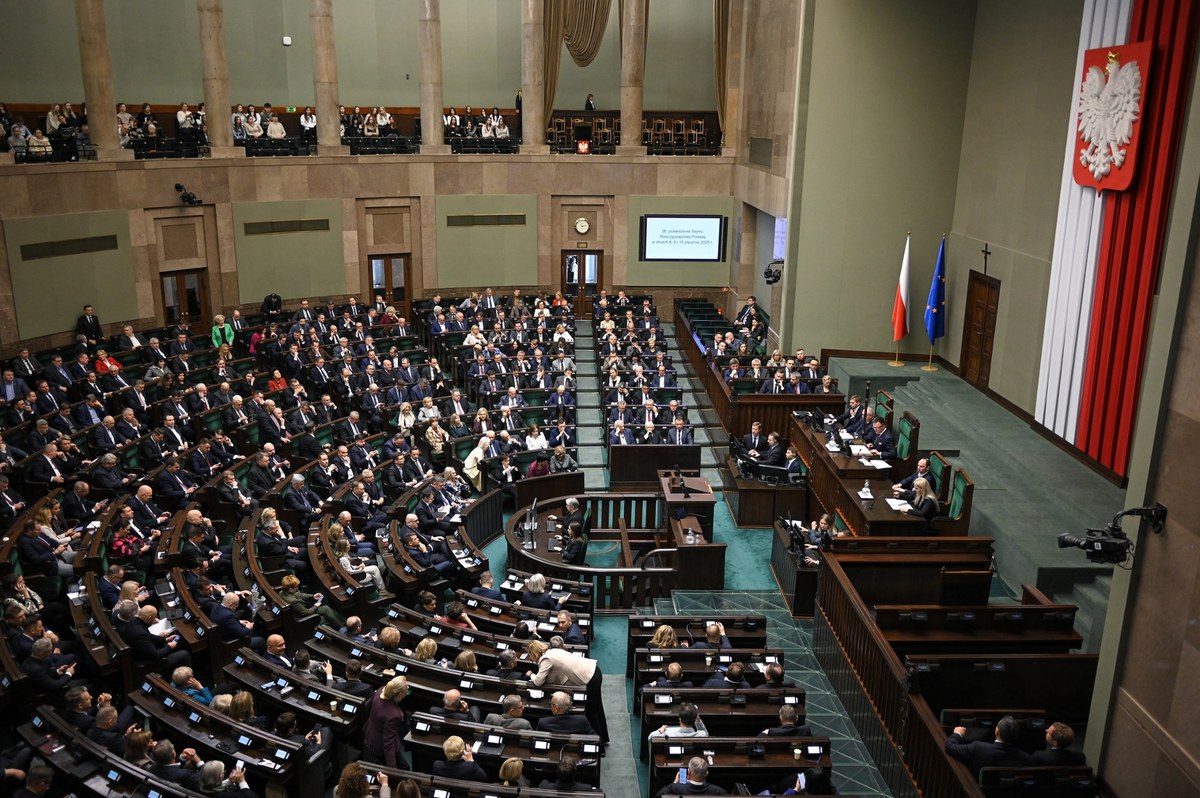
690	539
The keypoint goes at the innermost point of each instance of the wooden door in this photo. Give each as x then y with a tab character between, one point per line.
979	329
581	276
390	277
185	294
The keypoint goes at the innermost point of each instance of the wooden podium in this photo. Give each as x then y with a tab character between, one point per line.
692	493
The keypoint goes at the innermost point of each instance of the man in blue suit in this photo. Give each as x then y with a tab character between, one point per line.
486	589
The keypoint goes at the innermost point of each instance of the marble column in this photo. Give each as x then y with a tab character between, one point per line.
429	34
325	79
214	66
533	78
98	80
633	76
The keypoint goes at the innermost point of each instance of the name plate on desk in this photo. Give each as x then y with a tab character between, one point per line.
662	699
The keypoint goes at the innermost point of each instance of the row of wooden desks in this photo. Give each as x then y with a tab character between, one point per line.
834	482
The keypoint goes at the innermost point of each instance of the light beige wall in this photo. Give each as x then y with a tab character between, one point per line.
602	77
1009	171
487	254
49	293
294	264
683	273
887	96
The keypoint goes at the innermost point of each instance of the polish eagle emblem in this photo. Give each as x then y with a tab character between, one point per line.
1110	106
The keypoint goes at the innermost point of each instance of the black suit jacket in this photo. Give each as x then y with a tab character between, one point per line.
1059	757
982	754
148	647
565	724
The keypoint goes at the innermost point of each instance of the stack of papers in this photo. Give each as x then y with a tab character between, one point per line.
876	464
858	450
899	505
846	436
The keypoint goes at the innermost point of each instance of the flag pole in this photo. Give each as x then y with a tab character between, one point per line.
929	366
900	307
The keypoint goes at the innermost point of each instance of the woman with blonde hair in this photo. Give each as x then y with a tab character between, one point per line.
222	332
306	603
405	420
465	662
366	573
664	637
426	650
924	502
241	708
512	773
383	733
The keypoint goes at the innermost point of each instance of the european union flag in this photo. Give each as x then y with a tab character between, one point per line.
935	308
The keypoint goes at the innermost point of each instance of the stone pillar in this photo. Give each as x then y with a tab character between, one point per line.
633	76
533	78
734	132
214	66
429	35
325	79
97	80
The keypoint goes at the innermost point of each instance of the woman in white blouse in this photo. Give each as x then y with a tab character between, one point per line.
541	311
562	335
535	438
502	131
474	337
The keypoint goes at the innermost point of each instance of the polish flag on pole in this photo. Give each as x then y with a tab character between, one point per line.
900	308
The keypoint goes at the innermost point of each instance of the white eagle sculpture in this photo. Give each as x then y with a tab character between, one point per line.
1107	111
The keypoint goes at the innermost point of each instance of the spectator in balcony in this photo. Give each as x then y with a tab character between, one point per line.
239	111
275	129
184	121
308	126
239	128
253	126
384	120
146	118
38	144
18	135
370	125
123	116
52	118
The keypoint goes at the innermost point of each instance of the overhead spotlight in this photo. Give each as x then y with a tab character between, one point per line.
187	197
774	272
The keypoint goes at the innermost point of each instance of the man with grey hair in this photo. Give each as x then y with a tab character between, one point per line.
695	783
183	771
302	500
562	720
513	707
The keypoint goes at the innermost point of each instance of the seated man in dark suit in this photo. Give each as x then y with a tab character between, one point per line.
672	677
732	677
787	724
773	453
562	720
1059	737
679	434
568	629
485	588
904	488
775	678
453	706
1003	752
354	685
168	768
43	675
224	615
696	782
506	668
714	637
884	444
160	652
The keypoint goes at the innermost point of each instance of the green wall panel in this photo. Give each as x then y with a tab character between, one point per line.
496	255
49	293
301	264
